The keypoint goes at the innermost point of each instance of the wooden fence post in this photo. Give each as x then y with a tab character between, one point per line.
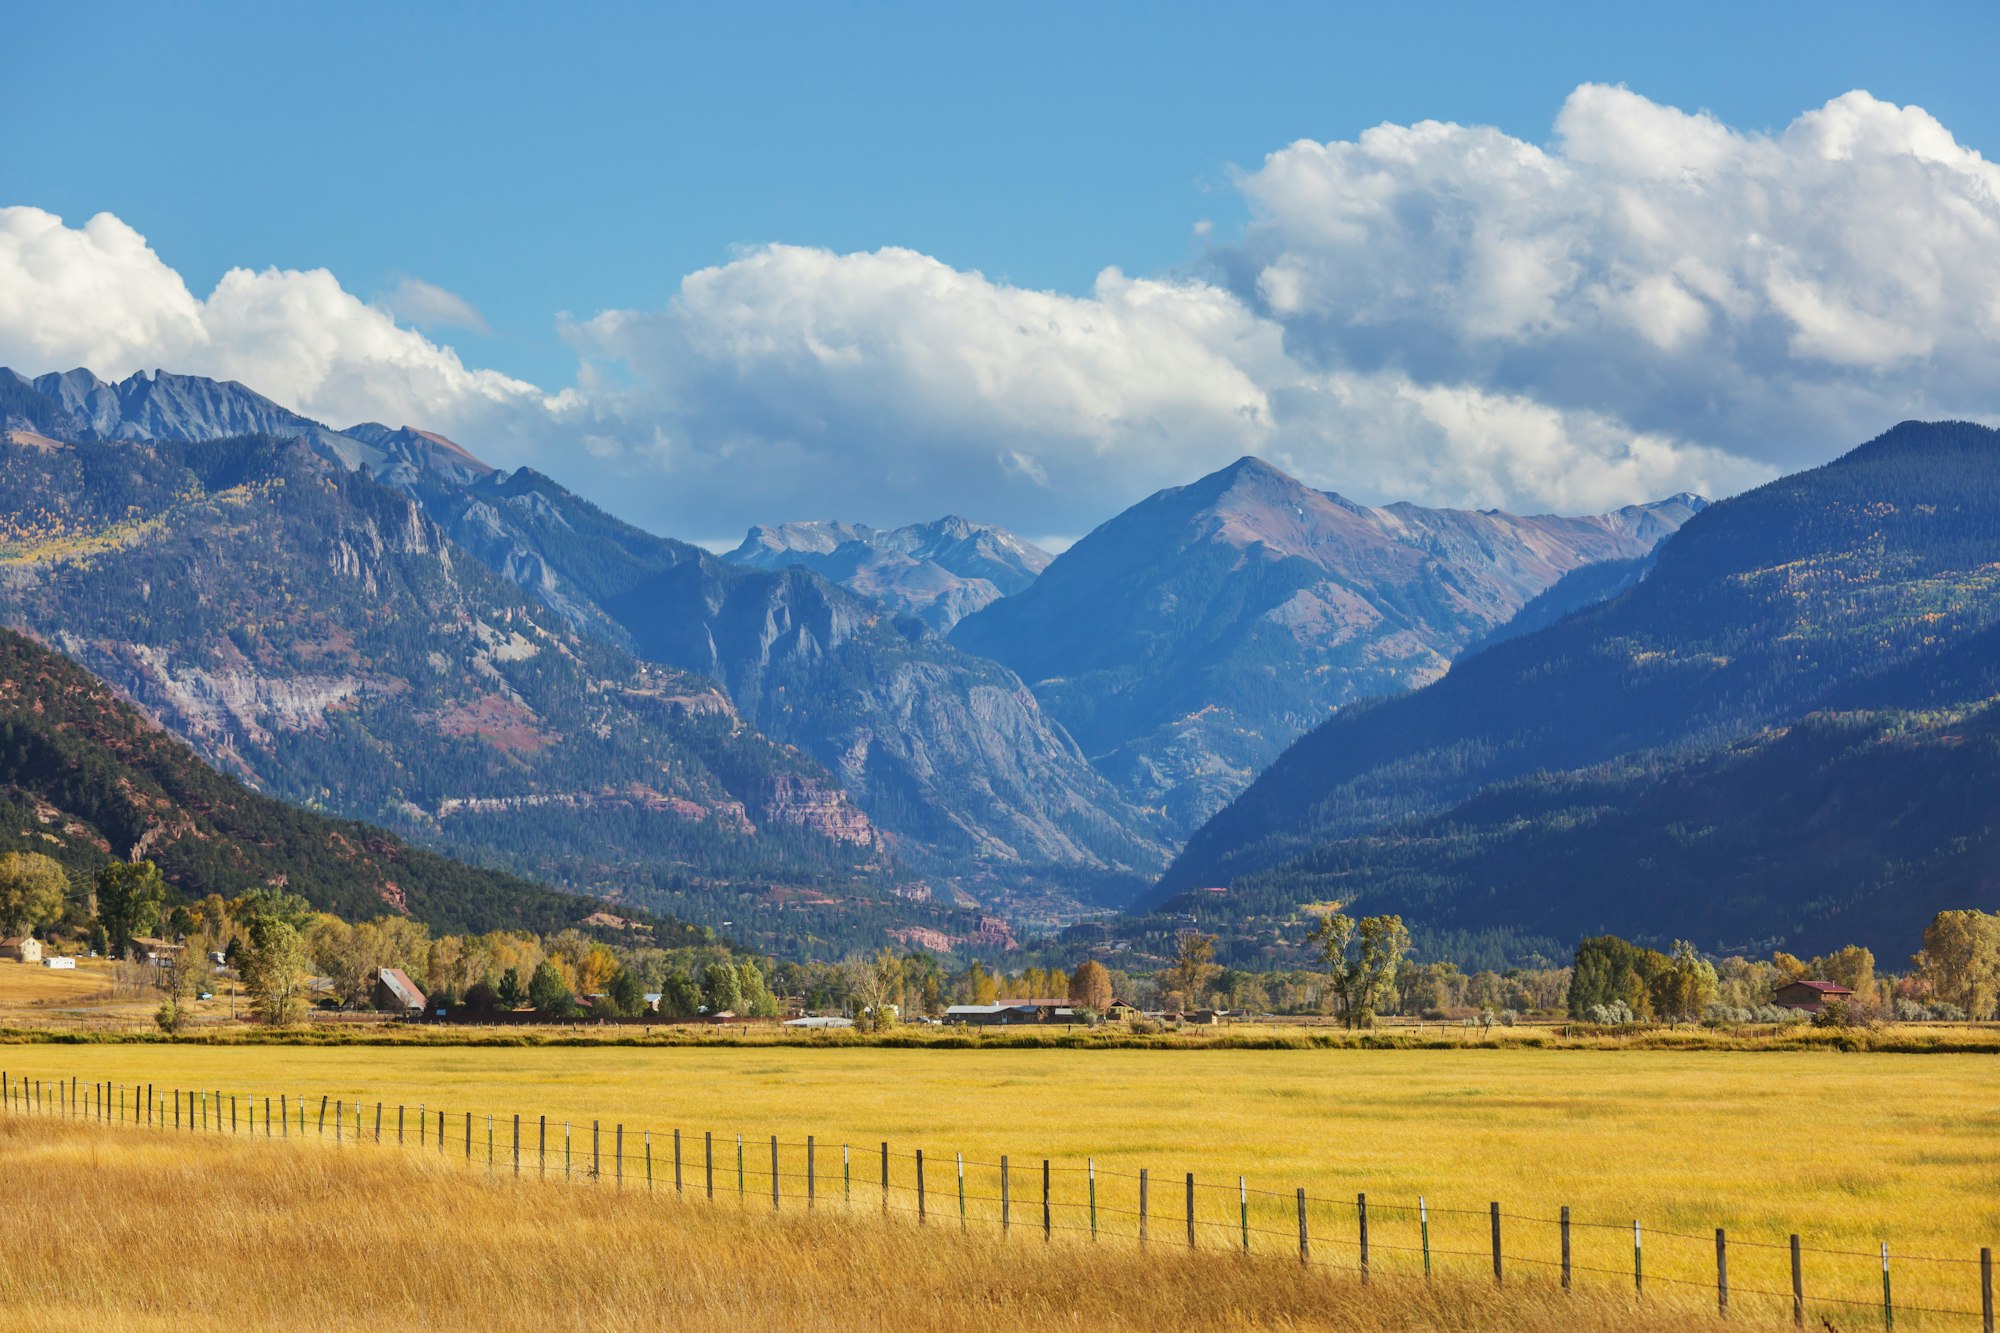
708	1160
1721	1271
1190	1209
774	1173
677	1161
1090	1165
960	1157
1361	1217
339	1118
739	1169
921	1205
468	1138
1142	1207
1305	1247
1798	1285
1048	1217
846	1175
812	1186
542	1148
649	1161
1495	1213
517	1143
618	1155
885	1177
1006	1221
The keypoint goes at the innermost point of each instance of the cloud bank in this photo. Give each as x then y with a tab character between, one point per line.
1653	301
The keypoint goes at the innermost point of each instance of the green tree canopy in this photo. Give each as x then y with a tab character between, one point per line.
33	891
549	993
130	895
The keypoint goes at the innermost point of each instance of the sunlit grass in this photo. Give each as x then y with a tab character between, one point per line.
127	1230
1848	1150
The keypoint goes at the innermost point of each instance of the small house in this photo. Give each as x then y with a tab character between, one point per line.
21	948
396	993
152	949
1811	996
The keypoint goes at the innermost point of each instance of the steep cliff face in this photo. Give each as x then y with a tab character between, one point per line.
315	633
85	778
950	754
1186	642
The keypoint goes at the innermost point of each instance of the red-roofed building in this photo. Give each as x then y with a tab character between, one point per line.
396	993
1811	996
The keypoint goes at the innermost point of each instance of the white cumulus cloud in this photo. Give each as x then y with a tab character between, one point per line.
1650	301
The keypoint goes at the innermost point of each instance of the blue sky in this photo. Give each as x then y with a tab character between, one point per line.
542	158
537	160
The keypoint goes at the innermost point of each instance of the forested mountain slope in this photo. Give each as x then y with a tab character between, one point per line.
1187	641
1767	735
311	631
86	779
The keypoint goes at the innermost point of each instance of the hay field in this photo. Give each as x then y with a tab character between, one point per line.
1846	1149
124	1230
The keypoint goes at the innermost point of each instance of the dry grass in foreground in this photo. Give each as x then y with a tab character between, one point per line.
120	1230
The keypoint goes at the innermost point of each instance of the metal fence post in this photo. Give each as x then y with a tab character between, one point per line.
1638	1265
1721	1271
1986	1287
812	1186
1494	1209
1091	1165
1565	1246
1424	1229
1888	1305
774	1173
1048	1217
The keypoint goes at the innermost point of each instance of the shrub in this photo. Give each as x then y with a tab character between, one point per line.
1615	1014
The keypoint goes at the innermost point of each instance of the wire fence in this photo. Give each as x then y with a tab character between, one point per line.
1043	1200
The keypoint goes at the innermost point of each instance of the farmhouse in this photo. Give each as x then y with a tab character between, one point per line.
1811	996
1007	1013
21	948
151	949
396	993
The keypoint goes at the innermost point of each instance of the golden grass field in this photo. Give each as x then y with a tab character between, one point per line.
125	1230
1846	1149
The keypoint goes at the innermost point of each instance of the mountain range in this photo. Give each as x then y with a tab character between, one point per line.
1188	641
1779	734
1762	722
940	572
